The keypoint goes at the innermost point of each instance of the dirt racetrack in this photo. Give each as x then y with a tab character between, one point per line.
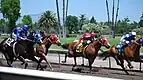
96	71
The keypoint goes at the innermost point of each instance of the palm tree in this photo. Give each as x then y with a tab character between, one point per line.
58	15
47	21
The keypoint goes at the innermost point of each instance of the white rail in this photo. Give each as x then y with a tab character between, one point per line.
7	73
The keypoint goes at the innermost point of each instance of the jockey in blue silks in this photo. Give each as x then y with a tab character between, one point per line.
127	40
20	33
37	37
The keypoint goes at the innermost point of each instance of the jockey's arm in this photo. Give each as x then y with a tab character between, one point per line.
41	41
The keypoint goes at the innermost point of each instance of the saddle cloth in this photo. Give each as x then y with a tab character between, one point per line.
80	48
9	41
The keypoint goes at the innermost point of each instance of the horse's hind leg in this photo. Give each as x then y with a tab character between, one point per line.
23	60
9	62
44	57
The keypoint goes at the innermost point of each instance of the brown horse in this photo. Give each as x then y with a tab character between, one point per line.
42	49
90	52
131	53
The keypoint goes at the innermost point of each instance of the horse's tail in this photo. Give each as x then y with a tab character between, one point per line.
65	46
1	44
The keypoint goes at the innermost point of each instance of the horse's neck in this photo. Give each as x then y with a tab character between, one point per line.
97	45
47	43
134	47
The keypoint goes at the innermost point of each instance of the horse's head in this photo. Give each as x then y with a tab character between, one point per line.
31	36
104	42
54	39
140	41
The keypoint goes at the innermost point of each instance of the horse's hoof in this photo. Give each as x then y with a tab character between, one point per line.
63	61
104	59
22	63
118	63
52	69
82	64
76	69
131	67
42	69
9	66
26	64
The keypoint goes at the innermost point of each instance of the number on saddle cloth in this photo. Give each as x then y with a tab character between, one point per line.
9	41
79	47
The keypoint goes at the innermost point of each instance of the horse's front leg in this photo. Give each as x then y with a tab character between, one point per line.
129	62
44	57
122	65
90	60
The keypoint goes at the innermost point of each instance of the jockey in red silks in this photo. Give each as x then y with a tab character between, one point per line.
85	39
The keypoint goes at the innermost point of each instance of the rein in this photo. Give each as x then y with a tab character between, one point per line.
136	42
99	41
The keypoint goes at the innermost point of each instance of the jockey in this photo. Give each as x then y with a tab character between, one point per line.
20	33
127	39
37	37
85	39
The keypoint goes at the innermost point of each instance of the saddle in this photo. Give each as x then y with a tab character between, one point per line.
80	47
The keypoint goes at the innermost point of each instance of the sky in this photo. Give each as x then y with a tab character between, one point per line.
128	8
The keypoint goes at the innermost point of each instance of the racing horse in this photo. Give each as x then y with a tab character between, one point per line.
90	52
42	49
65	46
130	53
22	50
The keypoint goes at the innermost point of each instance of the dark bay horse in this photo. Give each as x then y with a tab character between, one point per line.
42	49
90	52
131	53
23	50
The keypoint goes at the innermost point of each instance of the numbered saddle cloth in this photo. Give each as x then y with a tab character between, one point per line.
9	41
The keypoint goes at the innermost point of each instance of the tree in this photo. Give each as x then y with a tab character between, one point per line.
141	21
58	15
47	21
27	20
11	11
72	24
92	20
82	19
92	27
2	25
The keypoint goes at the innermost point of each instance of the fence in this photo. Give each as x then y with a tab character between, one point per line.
58	52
